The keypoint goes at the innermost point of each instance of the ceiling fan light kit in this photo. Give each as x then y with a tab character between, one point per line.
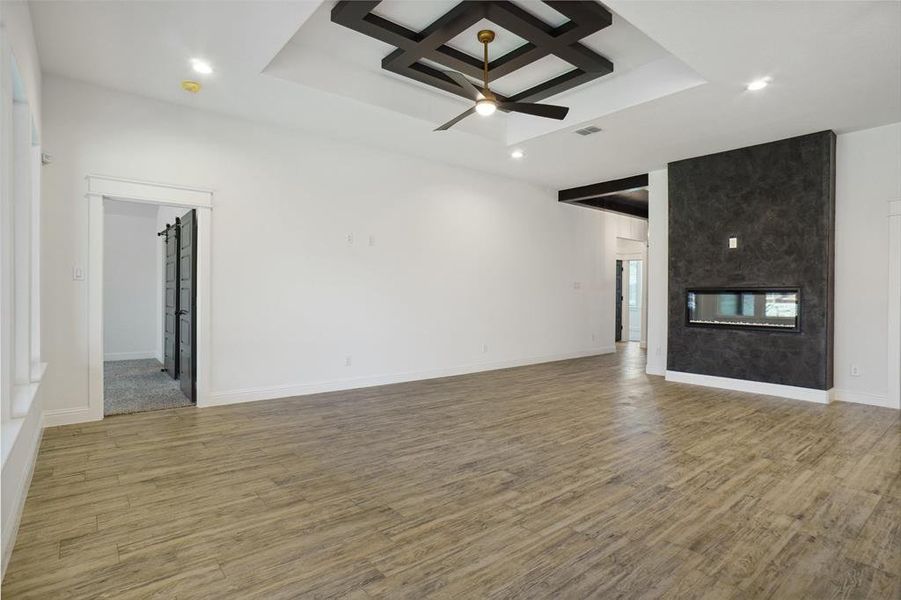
486	107
486	102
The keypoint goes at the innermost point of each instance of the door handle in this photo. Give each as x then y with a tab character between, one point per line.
182	312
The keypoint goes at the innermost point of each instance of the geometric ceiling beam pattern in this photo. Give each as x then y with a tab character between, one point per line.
585	18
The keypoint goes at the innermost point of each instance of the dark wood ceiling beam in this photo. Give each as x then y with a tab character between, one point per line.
628	196
542	40
603	188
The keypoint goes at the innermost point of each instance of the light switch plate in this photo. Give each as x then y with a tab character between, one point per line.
733	242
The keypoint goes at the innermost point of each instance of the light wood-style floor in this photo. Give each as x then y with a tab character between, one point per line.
575	479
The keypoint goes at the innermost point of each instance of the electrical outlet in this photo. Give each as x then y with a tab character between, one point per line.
347	361
577	285
77	274
855	371
484	348
594	337
350	239
372	240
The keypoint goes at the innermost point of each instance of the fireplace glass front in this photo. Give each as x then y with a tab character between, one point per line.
757	308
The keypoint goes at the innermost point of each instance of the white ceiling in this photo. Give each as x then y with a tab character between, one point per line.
643	71
834	65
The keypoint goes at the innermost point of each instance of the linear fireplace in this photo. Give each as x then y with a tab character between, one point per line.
774	309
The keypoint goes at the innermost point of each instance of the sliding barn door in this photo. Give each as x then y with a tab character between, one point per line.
619	301
187	294
170	327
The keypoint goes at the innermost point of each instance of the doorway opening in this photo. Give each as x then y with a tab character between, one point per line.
149	303
631	290
166	202
630	300
634	295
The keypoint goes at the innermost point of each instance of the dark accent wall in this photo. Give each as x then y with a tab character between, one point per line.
778	199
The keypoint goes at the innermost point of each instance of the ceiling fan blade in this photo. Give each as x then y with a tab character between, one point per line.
548	111
456	120
464	82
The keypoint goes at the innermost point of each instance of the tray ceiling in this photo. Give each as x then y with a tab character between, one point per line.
812	50
331	57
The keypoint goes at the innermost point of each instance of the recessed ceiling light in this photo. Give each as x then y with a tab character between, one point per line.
758	84
517	153
201	66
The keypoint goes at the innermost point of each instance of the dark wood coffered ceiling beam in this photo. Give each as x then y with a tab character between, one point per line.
412	48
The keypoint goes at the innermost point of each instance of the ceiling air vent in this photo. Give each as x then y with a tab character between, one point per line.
587	130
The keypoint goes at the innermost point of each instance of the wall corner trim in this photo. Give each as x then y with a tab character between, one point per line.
752	387
655	370
893	349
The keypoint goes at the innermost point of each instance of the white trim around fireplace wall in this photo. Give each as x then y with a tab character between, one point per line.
893	352
752	387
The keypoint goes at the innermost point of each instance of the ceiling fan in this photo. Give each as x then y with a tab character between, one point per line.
487	102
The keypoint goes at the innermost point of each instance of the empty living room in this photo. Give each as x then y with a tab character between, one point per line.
434	299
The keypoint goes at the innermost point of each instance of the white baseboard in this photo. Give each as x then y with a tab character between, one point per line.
11	530
270	393
129	355
753	387
863	398
653	368
69	416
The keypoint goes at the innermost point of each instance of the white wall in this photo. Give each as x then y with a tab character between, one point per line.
131	281
22	372
449	269
868	177
631	228
658	270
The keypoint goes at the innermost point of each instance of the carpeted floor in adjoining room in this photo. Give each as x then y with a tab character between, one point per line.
131	386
